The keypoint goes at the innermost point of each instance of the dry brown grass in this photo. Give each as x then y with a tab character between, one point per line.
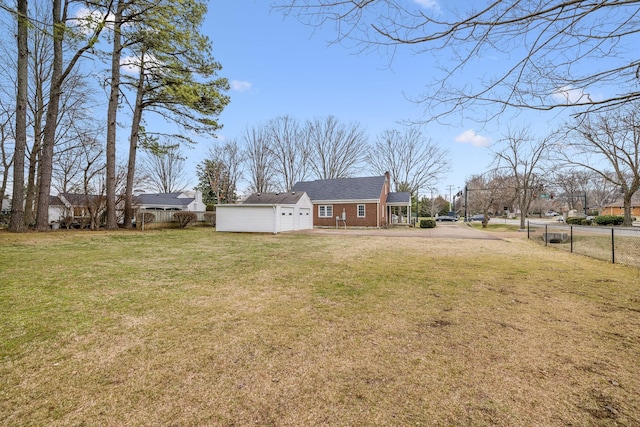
190	328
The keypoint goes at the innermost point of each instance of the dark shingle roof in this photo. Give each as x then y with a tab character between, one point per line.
55	201
76	199
366	188
163	199
290	198
403	197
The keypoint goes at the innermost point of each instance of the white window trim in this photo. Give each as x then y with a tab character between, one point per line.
364	211
326	209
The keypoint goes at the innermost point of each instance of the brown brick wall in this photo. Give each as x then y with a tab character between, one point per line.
635	211
351	209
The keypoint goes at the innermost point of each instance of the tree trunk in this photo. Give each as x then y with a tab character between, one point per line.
112	113
16	223
49	136
133	147
34	158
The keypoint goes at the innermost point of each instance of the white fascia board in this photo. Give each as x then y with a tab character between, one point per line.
288	205
344	201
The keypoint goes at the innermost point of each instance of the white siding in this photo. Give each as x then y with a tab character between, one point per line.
56	213
265	218
243	218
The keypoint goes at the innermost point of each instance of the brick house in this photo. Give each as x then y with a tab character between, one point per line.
617	208
354	202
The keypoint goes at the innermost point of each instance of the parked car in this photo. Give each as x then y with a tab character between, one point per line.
446	218
551	213
479	217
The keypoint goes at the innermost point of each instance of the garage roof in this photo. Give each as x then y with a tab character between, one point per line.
289	198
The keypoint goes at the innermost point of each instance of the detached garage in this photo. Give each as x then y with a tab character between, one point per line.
267	213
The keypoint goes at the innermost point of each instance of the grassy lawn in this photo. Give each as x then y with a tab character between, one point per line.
495	226
191	328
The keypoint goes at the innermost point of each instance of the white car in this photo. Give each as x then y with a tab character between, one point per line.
552	213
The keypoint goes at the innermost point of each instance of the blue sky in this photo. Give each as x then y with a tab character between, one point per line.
278	66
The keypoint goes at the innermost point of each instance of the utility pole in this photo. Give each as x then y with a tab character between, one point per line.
450	188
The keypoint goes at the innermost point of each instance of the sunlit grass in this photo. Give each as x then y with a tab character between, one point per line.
193	327
495	225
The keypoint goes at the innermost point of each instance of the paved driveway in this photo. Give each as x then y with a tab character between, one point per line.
442	231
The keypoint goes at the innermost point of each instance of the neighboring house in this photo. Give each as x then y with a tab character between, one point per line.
190	201
79	206
57	209
82	206
354	202
267	213
617	208
5	206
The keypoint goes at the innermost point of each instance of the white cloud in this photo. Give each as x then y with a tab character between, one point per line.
240	86
87	20
429	4
470	137
571	95
131	64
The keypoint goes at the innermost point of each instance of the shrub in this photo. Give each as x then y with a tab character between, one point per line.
609	220
145	218
210	207
66	222
184	218
4	219
427	223
586	222
210	218
574	220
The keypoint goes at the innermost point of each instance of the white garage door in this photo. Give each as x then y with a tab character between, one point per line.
305	221
286	219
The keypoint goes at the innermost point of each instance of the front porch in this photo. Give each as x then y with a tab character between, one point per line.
399	209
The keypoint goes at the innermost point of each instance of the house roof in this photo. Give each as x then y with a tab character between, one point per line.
289	198
163	199
365	188
399	198
55	201
77	199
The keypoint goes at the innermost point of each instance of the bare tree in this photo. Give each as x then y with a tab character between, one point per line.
220	172
6	151
16	223
413	161
59	73
603	191
164	169
571	187
335	149
521	156
71	162
289	151
608	142
487	192
258	160
540	52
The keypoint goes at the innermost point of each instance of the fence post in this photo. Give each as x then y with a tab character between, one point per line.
571	238
528	230
613	247
546	234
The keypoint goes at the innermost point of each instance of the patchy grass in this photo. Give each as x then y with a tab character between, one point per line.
495	225
190	327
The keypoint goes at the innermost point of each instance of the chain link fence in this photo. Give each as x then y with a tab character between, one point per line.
614	244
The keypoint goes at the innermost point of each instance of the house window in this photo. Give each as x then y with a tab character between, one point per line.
325	211
361	211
